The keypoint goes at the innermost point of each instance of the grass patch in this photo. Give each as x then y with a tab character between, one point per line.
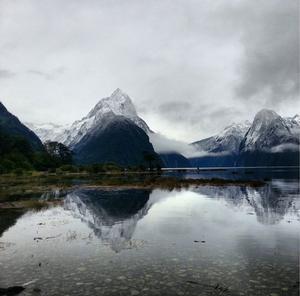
17	188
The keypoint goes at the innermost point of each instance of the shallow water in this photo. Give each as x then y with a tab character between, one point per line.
237	173
209	240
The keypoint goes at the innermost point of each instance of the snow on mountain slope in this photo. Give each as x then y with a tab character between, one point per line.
268	131
48	131
294	124
227	140
118	103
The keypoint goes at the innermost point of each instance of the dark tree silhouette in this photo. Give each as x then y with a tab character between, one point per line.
59	151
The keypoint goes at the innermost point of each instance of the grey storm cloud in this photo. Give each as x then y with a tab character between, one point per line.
191	67
270	65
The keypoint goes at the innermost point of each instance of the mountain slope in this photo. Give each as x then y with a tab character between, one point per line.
174	160
294	124
270	141
48	131
227	140
111	132
221	149
118	104
117	140
268	130
12	126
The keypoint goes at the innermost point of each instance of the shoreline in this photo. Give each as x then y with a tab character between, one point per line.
19	188
24	199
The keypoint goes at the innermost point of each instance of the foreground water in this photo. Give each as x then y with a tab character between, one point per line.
209	240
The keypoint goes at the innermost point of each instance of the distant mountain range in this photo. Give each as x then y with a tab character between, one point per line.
113	132
223	148
48	131
227	140
269	140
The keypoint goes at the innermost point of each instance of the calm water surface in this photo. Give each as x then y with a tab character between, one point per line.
202	241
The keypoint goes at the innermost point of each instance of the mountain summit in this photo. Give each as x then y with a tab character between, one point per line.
111	132
271	141
267	131
117	104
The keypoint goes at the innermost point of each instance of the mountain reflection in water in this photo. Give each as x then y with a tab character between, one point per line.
143	242
112	215
270	202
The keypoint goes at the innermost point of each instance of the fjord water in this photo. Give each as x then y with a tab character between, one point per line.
207	240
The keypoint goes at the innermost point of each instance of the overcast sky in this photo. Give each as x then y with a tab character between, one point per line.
190	66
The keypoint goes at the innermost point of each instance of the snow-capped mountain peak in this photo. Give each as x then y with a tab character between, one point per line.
119	103
263	118
267	131
266	114
107	109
